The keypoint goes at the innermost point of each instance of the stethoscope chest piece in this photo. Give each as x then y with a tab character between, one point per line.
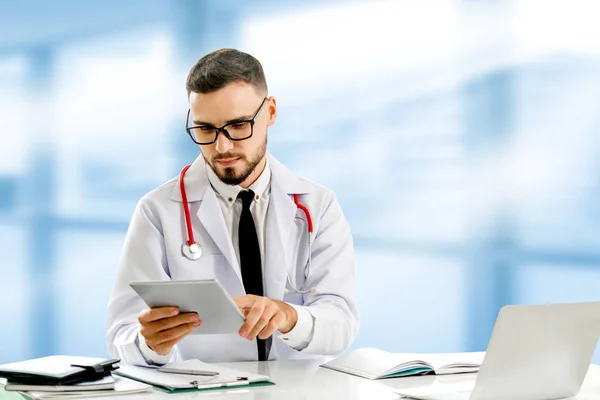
191	252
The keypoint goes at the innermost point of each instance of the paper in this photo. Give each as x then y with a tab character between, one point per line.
453	391
228	374
226	377
122	386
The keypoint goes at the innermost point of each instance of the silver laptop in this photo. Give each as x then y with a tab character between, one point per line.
536	352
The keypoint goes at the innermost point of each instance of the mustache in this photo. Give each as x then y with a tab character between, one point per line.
225	156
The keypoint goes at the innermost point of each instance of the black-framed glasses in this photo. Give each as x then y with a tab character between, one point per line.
240	129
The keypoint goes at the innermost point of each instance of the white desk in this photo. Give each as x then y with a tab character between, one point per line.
297	380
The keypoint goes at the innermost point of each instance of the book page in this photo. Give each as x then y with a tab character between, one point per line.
371	363
444	360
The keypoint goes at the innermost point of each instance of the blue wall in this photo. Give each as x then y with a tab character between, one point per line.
462	145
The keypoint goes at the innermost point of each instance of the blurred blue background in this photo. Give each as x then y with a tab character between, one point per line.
461	137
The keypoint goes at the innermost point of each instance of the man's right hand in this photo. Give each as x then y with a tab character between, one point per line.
164	327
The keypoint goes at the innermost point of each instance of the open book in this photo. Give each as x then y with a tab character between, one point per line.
373	363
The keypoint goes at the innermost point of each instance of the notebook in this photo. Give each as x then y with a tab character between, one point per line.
58	370
177	382
122	386
373	363
106	383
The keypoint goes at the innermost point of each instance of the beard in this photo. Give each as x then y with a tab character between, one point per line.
228	175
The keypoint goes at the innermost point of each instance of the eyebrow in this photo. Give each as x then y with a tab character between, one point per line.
238	119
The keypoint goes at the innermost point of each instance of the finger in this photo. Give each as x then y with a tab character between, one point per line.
171	334
252	318
263	321
151	328
165	347
246	301
273	325
154	314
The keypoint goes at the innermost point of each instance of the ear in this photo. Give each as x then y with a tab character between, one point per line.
271	110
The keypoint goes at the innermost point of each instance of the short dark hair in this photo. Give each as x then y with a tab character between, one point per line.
218	69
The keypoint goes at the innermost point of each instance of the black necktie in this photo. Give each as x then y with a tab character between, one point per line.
250	262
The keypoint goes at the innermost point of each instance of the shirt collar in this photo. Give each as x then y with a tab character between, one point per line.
230	192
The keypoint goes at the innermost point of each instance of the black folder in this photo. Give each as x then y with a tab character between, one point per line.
58	370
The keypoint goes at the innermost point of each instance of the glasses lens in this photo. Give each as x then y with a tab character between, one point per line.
203	134
239	130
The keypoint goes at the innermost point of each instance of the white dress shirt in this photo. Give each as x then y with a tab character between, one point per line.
301	335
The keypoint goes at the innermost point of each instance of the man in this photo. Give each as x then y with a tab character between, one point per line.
253	237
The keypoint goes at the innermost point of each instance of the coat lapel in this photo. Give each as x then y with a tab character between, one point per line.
280	220
211	218
209	213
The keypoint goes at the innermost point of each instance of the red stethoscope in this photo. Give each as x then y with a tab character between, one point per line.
192	250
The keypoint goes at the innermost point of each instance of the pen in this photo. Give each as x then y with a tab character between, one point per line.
188	371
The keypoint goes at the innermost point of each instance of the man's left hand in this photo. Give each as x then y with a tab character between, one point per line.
264	316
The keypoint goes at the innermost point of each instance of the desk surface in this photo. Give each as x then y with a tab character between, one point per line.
303	379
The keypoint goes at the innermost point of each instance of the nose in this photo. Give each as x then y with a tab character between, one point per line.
223	145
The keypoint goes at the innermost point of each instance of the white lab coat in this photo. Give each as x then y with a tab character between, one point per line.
152	251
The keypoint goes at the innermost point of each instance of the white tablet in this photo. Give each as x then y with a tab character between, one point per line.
208	298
